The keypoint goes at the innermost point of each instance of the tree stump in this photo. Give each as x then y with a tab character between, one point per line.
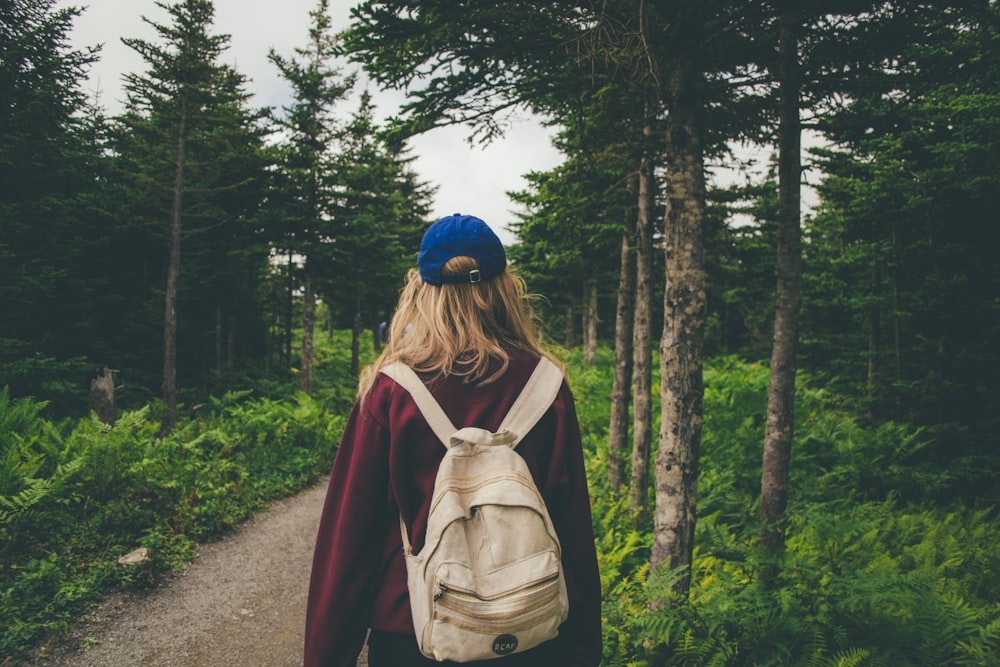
102	396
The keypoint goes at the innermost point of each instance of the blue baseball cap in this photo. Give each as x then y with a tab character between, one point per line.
460	236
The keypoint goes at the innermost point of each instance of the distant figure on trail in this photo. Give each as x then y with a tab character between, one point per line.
464	324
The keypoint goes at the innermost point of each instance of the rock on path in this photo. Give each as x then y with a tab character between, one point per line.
242	602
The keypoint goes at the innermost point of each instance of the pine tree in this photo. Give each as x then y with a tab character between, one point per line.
903	273
382	207
48	231
307	189
190	152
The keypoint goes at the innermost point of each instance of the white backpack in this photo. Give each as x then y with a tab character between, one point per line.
489	580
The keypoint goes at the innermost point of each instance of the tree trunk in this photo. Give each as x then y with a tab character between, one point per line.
590	323
169	419
683	327
289	311
618	430
781	396
874	338
308	330
219	341
231	342
642	346
569	332
356	340
897	330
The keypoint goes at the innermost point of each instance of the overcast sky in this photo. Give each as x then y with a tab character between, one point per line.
470	179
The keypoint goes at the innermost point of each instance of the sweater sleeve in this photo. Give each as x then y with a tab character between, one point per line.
579	643
348	551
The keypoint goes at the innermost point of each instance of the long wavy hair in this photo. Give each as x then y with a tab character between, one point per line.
459	329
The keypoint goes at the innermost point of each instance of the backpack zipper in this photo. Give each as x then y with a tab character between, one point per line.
468	485
473	596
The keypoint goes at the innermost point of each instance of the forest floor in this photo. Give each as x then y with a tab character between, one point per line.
241	602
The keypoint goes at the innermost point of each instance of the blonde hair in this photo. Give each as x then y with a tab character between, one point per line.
458	329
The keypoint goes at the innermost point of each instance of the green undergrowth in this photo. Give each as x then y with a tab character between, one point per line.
75	496
877	571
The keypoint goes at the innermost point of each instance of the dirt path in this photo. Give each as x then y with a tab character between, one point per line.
242	602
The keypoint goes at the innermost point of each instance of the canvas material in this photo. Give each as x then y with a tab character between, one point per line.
489	580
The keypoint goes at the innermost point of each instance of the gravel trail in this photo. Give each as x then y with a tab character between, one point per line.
241	602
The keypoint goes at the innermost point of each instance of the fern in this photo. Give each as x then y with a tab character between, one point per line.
953	630
18	463
816	649
18	508
17	416
849	658
982	648
702	651
869	577
229	399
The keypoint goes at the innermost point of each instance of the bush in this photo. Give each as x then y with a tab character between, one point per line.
74	497
876	571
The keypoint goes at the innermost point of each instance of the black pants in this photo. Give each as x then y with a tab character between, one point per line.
393	650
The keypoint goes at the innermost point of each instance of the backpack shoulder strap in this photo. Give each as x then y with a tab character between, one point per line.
534	401
431	409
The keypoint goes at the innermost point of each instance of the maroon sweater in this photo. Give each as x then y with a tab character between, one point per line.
386	466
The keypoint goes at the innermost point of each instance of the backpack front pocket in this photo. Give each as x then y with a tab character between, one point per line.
512	611
515	607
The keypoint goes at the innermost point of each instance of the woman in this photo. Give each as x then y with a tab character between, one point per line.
463	323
